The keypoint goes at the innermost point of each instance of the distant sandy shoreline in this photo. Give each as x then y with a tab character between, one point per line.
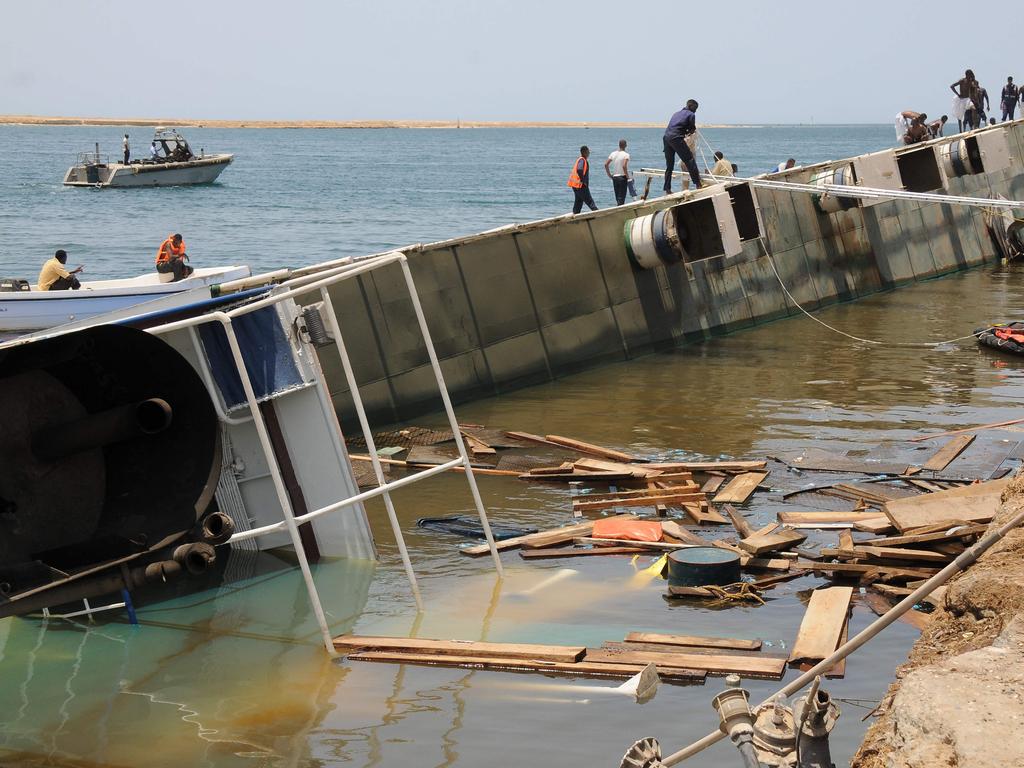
144	122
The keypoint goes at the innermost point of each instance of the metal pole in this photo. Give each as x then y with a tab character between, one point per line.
456	433
963	561
357	401
282	493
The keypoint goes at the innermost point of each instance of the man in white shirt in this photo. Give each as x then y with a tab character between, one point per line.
617	168
126	148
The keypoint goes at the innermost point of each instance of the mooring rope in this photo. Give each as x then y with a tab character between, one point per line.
798	305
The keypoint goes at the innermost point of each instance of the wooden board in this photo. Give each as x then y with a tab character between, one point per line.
477	446
926	538
765	540
879	524
674	499
976	503
676	531
760	666
641	492
554	553
738	521
593	450
807	519
822	624
497	664
665	546
550	537
727	643
708	466
563	653
764	564
896	553
739	488
713	483
702	514
860	568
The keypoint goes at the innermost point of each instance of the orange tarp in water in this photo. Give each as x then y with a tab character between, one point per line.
628	530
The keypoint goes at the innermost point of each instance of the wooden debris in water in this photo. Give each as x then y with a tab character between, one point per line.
727	643
772	538
942	458
740	488
972	503
565	653
822	625
593	450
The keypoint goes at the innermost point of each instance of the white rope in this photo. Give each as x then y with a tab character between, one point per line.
920	344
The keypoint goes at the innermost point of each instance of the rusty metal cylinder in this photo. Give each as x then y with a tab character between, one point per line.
196	558
116	425
215	528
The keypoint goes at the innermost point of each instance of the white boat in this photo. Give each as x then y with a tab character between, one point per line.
22	311
174	165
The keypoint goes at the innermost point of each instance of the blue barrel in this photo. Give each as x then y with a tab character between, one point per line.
699	566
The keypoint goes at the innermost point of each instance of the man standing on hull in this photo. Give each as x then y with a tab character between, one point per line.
682	124
579	180
1009	99
617	168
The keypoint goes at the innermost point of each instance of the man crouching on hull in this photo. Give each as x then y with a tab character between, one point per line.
171	257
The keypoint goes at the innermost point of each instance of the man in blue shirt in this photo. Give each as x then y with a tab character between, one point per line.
682	124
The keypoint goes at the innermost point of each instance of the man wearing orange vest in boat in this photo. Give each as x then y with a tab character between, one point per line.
171	257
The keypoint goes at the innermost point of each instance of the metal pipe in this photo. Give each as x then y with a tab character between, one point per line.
215	528
196	558
963	561
371	447
452	421
276	527
115	425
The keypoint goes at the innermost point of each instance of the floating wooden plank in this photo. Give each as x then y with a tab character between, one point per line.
878	524
556	553
477	446
861	568
560	535
772	539
676	531
875	491
563	468
880	606
739	488
530	438
708	466
603	465
563	653
764	564
727	643
590	448
822	624
760	666
768	582
896	553
713	483
973	503
738	521
702	514
808	519
926	485
500	664
666	546
575	475
942	457
635	501
838	670
658	490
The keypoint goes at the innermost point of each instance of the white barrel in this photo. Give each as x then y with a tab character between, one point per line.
841	175
639	238
956	161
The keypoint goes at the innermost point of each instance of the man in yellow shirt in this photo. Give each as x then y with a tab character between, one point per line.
722	166
53	276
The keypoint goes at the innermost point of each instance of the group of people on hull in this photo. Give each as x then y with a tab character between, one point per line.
971	106
679	140
170	259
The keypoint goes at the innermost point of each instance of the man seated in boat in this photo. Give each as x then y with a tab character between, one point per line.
171	257
53	276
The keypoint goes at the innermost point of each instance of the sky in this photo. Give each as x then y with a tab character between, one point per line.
787	61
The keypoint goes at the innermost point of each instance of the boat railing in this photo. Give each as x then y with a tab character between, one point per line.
92	158
317	286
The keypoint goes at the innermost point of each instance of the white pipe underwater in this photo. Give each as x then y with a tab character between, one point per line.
560	575
641	687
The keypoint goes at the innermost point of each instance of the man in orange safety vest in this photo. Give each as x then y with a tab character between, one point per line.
171	257
579	180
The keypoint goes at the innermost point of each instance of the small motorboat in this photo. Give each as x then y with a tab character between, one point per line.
24	309
174	165
1006	337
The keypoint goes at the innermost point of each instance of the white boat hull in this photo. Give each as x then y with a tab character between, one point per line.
203	170
26	311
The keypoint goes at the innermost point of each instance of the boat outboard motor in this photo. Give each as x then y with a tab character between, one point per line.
109	451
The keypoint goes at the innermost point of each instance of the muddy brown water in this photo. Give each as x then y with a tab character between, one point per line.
236	677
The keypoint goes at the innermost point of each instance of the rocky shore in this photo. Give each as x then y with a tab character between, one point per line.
959	699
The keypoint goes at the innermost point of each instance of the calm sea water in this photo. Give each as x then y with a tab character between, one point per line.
296	197
235	678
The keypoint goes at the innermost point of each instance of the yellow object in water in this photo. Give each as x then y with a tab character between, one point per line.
651	572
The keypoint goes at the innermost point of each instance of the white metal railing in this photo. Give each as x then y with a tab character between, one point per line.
321	282
842	190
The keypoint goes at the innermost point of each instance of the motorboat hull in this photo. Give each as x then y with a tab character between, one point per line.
26	311
204	170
